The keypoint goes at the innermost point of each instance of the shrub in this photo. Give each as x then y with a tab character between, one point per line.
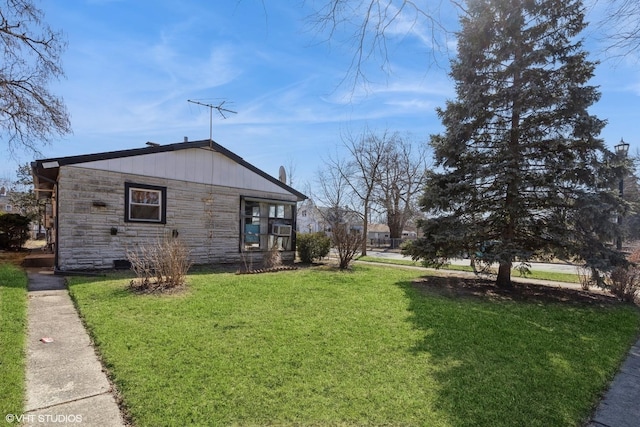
625	282
585	277
14	231
159	266
272	258
312	246
347	243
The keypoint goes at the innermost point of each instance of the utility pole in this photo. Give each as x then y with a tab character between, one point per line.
212	107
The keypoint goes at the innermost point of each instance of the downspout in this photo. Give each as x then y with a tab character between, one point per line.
294	227
55	190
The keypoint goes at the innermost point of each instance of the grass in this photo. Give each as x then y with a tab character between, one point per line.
535	274
322	347
13	329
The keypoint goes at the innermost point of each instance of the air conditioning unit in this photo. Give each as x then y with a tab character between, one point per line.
281	230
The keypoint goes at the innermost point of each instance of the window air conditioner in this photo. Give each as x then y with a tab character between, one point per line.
281	230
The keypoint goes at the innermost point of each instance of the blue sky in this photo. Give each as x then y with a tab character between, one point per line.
131	66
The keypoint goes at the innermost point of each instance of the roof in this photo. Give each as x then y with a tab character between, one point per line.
378	228
45	171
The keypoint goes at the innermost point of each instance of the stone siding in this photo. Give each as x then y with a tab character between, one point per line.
91	203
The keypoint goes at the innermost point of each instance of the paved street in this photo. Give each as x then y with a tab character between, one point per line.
537	266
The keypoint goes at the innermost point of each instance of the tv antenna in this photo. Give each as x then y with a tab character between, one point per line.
212	107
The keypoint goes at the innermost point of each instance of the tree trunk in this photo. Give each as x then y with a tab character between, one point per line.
504	276
394	222
365	228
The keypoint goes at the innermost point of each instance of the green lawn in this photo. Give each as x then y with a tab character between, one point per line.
322	347
13	329
534	274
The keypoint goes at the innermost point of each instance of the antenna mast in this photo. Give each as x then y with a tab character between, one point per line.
212	107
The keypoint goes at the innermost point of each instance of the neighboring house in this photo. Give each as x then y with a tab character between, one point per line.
5	203
313	218
224	209
310	219
381	231
378	232
378	235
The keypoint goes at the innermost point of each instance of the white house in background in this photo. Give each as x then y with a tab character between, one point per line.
313	218
5	203
310	218
223	208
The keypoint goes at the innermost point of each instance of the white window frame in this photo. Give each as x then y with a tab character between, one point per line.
161	205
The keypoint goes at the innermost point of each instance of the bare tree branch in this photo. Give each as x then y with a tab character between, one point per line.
621	27
370	24
30	115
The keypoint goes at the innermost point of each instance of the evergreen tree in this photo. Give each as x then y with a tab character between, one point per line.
521	171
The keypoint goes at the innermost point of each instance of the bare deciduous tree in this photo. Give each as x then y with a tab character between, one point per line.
361	171
29	113
347	241
334	194
621	26
382	173
401	179
369	26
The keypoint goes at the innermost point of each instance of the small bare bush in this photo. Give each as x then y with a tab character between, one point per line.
247	261
634	257
159	266
625	283
272	258
585	277
347	243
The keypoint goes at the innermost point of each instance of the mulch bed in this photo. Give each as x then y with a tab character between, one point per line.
267	270
456	287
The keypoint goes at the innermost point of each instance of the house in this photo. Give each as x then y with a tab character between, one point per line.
310	218
5	203
377	232
378	236
224	209
313	218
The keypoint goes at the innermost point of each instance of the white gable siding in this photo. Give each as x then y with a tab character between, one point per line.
198	165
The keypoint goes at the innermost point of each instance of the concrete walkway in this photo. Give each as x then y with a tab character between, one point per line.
621	405
65	382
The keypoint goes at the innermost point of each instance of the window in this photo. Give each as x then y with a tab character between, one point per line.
266	224
145	203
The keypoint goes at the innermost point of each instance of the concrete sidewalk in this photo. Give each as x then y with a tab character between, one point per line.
64	378
620	406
